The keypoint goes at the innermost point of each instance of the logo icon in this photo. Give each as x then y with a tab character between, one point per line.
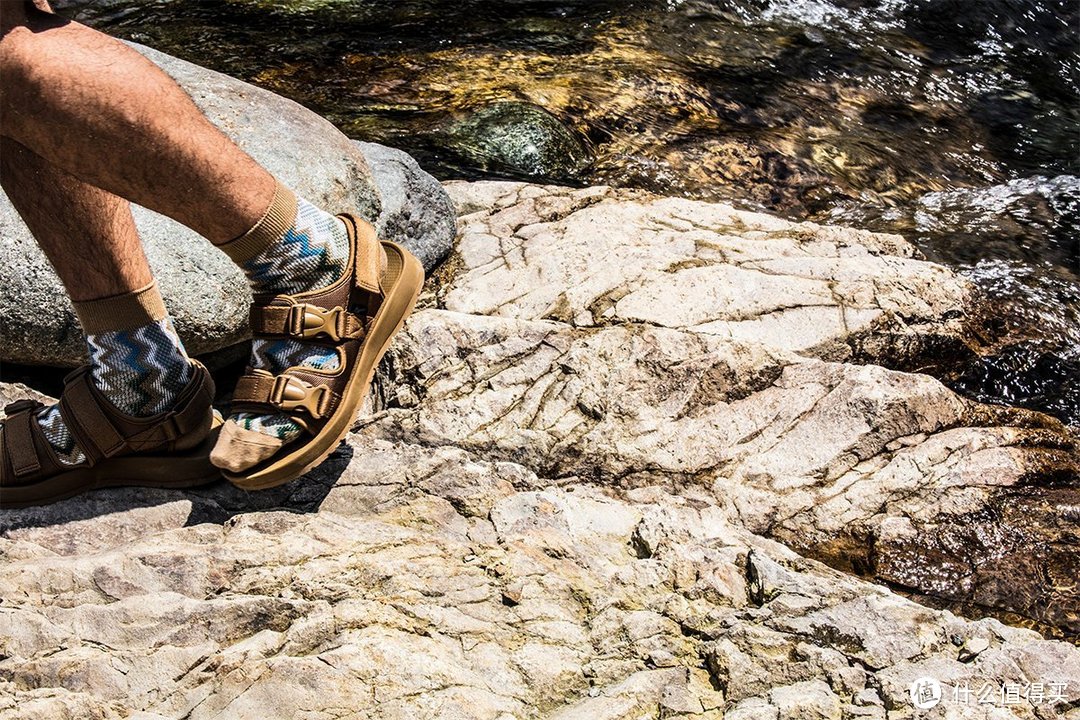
925	693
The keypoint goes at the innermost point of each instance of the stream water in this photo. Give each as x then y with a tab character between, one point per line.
953	122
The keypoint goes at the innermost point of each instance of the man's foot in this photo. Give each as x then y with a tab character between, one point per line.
138	377
295	248
168	449
345	327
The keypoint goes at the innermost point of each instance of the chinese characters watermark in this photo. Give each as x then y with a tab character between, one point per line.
926	692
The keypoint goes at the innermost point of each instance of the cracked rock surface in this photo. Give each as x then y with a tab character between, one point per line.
595	479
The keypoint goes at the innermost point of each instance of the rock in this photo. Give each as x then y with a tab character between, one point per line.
810	700
415	209
972	648
13	392
518	138
888	473
400	615
205	293
560	520
596	257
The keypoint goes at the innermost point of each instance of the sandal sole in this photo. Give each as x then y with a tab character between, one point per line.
187	469
396	307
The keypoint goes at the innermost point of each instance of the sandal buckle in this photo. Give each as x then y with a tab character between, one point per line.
291	393
308	321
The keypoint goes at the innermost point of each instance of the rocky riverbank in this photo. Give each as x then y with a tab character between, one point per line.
565	496
633	456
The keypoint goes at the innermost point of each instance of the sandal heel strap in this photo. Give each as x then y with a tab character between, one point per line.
19	444
192	414
368	253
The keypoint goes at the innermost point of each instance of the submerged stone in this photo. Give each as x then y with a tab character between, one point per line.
519	139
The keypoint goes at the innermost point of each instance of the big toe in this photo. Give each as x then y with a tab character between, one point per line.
238	449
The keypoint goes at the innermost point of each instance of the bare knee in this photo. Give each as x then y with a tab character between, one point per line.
21	25
25	28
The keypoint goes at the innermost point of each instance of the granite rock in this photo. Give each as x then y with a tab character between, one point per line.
204	291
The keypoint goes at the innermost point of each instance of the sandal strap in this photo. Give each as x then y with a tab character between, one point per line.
87	420
103	432
187	417
19	445
369	254
303	321
284	393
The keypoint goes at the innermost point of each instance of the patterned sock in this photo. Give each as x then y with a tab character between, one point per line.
295	247
136	358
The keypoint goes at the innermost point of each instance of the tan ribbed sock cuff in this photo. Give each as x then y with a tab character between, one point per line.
272	226
122	312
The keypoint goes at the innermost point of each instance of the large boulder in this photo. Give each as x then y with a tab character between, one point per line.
205	292
416	211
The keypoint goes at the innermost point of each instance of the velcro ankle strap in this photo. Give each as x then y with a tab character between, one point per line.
368	252
82	412
19	444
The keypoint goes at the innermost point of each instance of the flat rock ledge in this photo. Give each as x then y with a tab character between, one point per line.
590	482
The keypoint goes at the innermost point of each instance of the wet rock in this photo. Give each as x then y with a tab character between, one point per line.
519	139
290	7
205	293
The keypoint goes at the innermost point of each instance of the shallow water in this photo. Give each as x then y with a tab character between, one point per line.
954	122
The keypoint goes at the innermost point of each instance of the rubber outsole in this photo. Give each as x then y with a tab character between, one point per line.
175	471
395	309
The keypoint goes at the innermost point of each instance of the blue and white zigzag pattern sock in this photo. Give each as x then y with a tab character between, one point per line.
140	371
313	253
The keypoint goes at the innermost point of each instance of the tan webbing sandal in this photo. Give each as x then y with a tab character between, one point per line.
168	450
381	283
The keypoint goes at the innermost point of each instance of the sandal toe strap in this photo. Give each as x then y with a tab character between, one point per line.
303	321
288	393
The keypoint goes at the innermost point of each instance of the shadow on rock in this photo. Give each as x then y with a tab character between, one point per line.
215	503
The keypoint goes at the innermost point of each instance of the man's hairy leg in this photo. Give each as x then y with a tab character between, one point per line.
89	104
92	106
137	361
88	234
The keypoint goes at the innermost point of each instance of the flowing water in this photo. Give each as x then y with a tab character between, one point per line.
953	122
